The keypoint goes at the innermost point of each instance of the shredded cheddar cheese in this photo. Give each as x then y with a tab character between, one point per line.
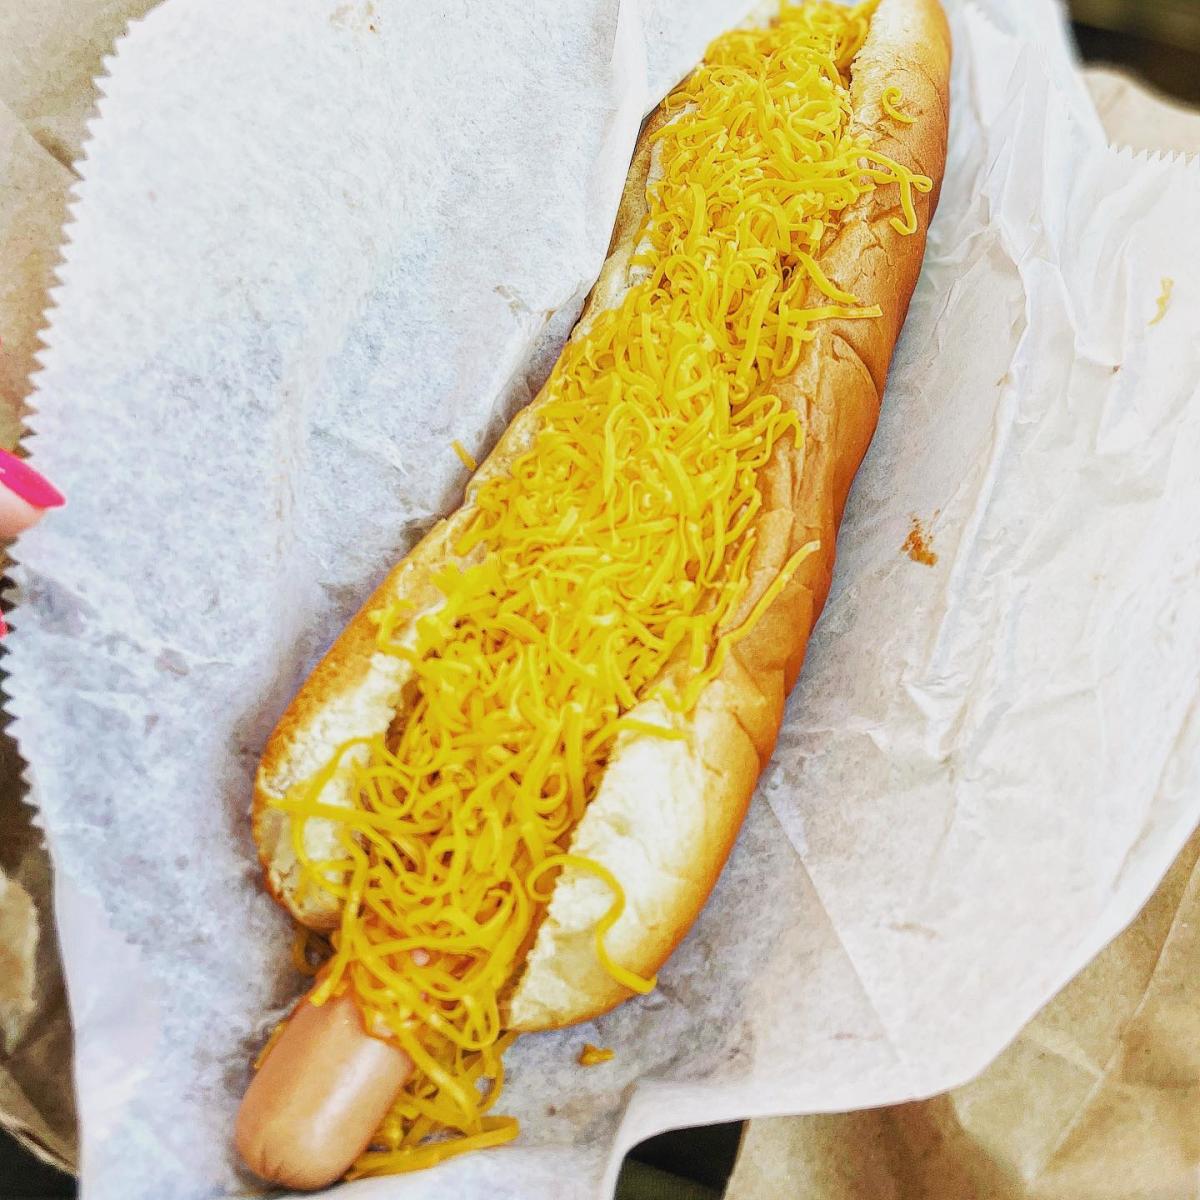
1164	300
464	455
888	101
612	563
593	1056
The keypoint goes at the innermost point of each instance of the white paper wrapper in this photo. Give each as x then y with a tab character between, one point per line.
312	250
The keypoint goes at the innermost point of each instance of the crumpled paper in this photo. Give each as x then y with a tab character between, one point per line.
1097	1097
283	298
1096	1100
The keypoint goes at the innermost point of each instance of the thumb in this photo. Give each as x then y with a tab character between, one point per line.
24	495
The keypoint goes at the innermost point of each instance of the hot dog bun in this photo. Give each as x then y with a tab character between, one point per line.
667	812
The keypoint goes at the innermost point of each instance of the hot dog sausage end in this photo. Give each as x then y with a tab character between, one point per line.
321	1093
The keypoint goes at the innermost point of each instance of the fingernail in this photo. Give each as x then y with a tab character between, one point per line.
3	626
34	488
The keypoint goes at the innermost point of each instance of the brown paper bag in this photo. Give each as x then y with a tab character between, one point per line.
1098	1099
37	1104
50	53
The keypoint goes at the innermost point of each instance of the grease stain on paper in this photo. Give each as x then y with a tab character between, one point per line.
358	17
918	545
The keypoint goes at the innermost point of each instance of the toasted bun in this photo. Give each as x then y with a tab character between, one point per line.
667	812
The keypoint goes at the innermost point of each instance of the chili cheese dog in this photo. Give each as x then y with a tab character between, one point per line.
506	792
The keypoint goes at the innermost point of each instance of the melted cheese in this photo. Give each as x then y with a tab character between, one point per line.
611	564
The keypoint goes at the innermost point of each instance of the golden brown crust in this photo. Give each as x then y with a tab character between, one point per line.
667	813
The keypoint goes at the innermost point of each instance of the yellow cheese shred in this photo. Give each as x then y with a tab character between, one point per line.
593	1056
1164	300
888	100
614	562
635	983
464	455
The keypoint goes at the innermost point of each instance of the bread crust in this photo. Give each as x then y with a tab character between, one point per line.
667	813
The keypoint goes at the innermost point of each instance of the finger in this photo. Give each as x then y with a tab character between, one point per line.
25	495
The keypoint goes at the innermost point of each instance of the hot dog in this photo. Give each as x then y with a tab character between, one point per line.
507	790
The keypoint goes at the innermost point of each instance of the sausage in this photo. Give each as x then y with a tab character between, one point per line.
322	1091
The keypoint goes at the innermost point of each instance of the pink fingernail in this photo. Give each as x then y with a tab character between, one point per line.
34	488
